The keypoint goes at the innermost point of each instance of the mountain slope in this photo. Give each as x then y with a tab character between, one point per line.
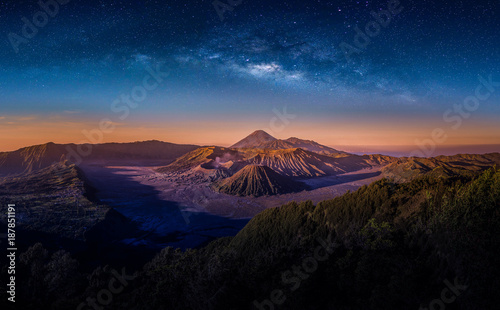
302	163
254	180
406	169
212	157
31	158
36	157
56	199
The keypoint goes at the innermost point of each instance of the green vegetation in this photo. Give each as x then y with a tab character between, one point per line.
394	247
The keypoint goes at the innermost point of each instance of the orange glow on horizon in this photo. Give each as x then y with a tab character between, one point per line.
18	132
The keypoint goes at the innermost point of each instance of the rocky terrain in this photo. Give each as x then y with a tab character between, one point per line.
255	180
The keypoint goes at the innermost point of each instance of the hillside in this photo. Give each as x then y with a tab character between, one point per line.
31	158
212	157
54	200
406	169
35	157
306	164
256	181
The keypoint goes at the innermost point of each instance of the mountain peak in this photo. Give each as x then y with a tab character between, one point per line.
254	140
261	133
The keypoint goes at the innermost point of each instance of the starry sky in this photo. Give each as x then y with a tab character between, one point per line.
217	71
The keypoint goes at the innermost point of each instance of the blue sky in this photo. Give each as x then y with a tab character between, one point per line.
262	56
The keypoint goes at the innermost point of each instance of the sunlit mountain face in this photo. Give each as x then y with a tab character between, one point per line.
360	74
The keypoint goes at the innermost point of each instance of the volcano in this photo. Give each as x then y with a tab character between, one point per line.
257	139
255	180
262	140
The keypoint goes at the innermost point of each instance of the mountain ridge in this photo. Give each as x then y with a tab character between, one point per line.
36	157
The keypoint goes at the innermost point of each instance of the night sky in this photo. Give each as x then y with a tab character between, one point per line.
229	76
